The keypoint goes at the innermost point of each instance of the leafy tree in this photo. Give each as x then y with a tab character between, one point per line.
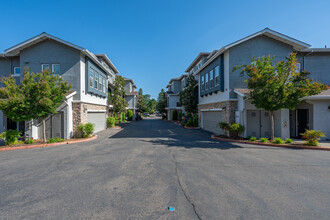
161	102
140	104
117	97
38	96
146	98
188	97
275	87
151	105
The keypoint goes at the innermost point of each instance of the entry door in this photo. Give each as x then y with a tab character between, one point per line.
11	125
265	124
303	120
253	123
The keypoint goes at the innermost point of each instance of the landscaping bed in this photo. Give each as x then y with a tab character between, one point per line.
287	145
39	143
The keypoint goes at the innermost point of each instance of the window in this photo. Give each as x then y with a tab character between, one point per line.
91	78
44	67
211	78
96	77
298	68
203	80
100	83
207	76
17	71
104	83
217	76
56	69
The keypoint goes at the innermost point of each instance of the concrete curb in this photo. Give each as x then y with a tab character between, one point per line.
48	145
192	128
271	144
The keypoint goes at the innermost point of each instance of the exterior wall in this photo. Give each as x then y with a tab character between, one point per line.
52	52
128	87
130	101
256	47
176	86
228	112
321	116
2	119
318	64
172	101
79	114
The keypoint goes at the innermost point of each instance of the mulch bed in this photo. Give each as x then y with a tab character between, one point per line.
39	143
295	146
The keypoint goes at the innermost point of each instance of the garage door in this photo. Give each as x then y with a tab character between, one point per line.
211	120
98	119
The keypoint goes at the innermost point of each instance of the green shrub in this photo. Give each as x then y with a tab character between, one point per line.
195	121
29	141
111	122
278	141
123	117
55	140
264	140
233	129
180	116
164	116
288	141
175	115
190	122
130	115
252	138
86	129
312	137
189	115
10	136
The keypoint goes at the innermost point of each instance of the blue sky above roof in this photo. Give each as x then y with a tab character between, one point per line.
154	41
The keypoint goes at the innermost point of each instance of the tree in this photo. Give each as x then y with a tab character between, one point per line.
140	104
161	102
280	86
38	96
117	97
151	105
188	98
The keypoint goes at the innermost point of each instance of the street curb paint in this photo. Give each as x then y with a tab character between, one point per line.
270	144
48	145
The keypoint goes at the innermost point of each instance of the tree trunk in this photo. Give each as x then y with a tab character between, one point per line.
44	129
272	132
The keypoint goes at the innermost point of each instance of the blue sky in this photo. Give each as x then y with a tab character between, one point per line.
154	41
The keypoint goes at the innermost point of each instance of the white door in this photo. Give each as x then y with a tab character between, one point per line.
211	121
98	119
253	123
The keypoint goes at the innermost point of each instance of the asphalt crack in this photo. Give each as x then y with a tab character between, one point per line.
180	185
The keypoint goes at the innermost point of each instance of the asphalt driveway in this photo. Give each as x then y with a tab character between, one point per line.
137	172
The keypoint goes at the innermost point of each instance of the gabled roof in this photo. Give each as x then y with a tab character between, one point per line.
175	79
108	61
197	59
130	80
15	50
296	44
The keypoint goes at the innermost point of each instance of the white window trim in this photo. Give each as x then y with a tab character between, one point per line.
89	76
42	69
96	80
15	74
53	68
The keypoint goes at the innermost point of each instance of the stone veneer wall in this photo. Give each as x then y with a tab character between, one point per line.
80	116
228	114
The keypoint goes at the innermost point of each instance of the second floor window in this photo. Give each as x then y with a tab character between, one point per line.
100	83
44	67
17	71
96	77
207	80
211	78
91	78
202	82
217	75
104	83
56	69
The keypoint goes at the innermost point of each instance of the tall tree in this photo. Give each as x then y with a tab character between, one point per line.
38	96
140	104
117	97
188	98
280	86
161	102
151	105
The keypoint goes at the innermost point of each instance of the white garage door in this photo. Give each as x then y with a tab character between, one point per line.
211	121
98	119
